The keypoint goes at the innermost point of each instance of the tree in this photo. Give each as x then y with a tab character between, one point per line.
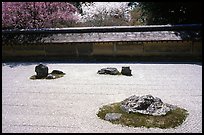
36	14
137	17
96	15
171	12
78	5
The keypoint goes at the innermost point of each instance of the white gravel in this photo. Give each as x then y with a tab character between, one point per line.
69	104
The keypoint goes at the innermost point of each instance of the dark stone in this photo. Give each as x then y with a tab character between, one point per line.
146	104
126	71
109	70
57	72
41	71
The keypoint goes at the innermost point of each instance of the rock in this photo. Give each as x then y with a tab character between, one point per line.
146	104
109	70
50	76
112	116
126	71
41	71
57	72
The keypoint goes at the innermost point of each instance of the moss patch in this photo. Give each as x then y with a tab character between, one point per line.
56	76
172	119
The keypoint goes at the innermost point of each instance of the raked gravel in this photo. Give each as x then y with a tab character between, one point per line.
70	104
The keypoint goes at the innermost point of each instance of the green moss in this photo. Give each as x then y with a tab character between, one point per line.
56	76
172	119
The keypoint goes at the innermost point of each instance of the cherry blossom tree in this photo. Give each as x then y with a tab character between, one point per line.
105	14
17	15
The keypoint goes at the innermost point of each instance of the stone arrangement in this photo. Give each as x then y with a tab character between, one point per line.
112	116
56	72
50	76
146	104
42	73
126	71
114	71
108	70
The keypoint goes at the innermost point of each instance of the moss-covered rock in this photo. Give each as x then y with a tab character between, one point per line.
172	119
53	75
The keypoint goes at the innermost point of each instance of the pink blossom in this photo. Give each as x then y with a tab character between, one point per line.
36	14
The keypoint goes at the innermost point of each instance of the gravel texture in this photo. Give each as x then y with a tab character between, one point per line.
70	104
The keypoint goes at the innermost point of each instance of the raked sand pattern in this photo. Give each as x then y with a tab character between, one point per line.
70	104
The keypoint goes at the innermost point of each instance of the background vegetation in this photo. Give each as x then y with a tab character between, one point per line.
17	15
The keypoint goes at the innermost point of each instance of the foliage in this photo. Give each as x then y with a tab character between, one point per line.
78	5
105	19
171	12
171	120
18	15
136	17
96	15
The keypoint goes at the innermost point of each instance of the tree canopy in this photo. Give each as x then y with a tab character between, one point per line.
170	12
36	14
